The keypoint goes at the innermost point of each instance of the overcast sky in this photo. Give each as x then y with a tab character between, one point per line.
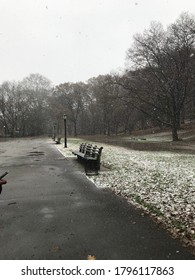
74	40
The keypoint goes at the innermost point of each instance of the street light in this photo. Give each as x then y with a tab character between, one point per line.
65	136
4	127
54	131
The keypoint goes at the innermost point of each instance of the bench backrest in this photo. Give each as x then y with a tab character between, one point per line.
90	150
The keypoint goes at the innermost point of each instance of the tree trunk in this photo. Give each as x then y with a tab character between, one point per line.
108	128
174	133
75	129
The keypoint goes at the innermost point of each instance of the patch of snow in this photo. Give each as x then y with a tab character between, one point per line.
162	183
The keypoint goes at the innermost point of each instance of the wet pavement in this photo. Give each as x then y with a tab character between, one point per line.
50	210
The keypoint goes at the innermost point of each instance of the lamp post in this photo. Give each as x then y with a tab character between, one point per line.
65	136
54	131
4	127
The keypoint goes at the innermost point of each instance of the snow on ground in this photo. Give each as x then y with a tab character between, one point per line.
161	183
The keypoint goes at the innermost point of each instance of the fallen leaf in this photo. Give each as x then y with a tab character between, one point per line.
55	248
90	257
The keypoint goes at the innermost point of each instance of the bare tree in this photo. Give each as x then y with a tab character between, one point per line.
36	89
24	106
71	99
9	106
109	110
163	74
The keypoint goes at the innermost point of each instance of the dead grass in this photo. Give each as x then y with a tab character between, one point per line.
151	140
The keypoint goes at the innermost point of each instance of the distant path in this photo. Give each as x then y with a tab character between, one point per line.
50	210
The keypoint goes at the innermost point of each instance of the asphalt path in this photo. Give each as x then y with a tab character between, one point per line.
49	209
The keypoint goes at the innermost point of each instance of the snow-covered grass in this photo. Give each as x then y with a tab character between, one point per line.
161	183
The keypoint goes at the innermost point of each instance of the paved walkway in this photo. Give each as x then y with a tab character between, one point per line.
50	210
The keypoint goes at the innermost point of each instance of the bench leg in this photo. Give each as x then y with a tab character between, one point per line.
91	167
79	159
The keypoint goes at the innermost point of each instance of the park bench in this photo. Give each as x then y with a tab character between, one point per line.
89	155
58	140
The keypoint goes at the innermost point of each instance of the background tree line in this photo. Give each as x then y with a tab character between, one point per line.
156	89
24	106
